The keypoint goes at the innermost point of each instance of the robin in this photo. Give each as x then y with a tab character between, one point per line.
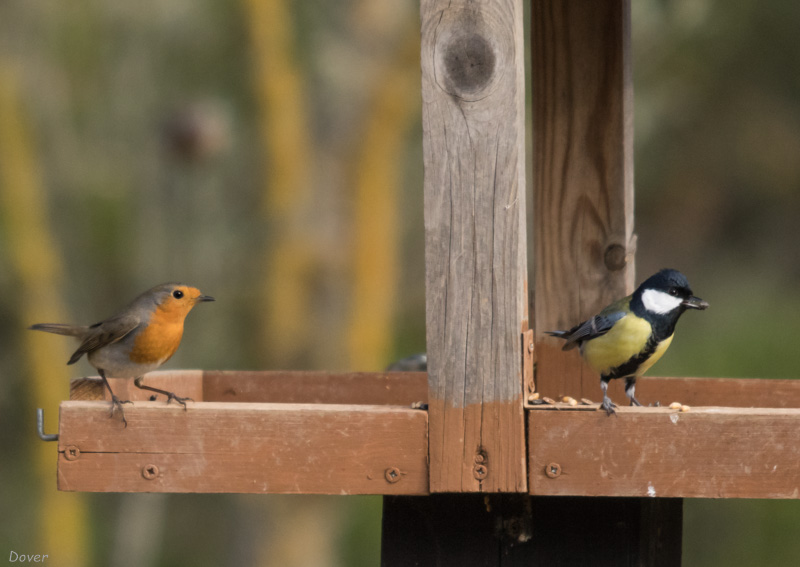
137	340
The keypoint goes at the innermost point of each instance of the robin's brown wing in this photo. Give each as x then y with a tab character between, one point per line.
105	333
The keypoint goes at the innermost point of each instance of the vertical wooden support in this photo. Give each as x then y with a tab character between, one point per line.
584	247
473	124
507	530
583	176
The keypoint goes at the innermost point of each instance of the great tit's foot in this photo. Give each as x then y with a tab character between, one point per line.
635	402
608	405
116	404
171	396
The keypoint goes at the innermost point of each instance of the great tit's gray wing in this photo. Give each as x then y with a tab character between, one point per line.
104	333
598	325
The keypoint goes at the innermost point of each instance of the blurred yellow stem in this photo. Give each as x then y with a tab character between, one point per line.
287	151
36	265
378	176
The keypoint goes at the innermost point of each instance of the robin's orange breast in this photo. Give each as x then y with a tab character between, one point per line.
160	339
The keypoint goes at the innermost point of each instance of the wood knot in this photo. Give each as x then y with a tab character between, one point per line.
469	63
615	257
472	47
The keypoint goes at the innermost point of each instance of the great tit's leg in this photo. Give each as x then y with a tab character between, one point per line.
630	388
116	403
170	395
606	404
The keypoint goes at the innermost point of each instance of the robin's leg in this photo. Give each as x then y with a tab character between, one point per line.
116	403
606	404
630	388
170	395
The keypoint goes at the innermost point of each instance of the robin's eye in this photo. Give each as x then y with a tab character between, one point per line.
177	294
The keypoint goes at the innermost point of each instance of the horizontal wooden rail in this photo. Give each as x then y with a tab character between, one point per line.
405	388
243	447
270	386
703	453
356	433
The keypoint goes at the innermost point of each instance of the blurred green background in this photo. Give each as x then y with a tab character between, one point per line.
270	153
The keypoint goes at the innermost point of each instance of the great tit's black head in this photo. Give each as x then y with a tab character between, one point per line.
668	291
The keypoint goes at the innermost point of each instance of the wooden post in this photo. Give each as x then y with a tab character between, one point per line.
584	244
473	127
583	177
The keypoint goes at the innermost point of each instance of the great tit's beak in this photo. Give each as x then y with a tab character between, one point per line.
204	298
695	303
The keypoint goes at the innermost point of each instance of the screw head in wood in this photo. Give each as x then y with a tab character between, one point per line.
392	475
553	470
72	453
480	472
149	472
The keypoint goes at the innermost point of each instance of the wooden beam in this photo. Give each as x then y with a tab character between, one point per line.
474	157
728	392
304	387
582	174
242	447
269	386
406	388
657	452
452	530
182	382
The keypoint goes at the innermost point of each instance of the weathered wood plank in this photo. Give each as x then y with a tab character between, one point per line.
305	387
182	382
270	386
241	447
583	175
703	453
727	392
473	142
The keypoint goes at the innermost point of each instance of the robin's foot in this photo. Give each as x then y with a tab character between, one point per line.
116	404
608	405
171	396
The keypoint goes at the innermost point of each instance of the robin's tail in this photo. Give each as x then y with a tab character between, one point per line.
60	329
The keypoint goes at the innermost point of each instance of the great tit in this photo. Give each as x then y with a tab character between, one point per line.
626	338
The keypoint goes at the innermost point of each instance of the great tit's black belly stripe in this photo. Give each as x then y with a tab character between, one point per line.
630	367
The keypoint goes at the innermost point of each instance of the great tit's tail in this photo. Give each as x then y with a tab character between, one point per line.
566	335
558	334
60	329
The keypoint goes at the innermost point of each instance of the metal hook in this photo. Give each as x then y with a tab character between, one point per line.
40	427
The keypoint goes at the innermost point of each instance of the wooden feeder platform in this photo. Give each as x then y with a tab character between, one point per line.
482	477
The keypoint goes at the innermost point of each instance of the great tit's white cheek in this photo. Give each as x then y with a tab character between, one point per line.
660	302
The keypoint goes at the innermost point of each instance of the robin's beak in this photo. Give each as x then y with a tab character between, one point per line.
695	303
204	298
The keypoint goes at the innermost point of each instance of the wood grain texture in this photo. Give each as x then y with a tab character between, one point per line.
473	141
582	173
270	386
728	392
245	448
307	387
182	382
703	453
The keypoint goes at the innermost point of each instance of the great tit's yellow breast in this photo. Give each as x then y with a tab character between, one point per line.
658	353
626	338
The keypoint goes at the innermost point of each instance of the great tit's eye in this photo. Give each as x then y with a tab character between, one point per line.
177	294
673	291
